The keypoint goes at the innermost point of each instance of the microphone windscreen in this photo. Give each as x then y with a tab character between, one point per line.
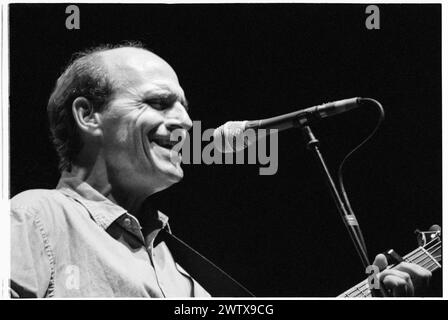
228	137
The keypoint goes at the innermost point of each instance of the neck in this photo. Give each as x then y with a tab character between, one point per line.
96	176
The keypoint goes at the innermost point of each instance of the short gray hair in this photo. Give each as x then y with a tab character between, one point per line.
85	76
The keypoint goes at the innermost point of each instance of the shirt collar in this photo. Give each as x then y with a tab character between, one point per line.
102	210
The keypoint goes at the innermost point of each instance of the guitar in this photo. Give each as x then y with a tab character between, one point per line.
428	255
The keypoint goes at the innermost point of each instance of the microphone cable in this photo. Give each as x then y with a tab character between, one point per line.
367	101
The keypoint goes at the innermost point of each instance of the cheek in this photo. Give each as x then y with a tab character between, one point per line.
116	133
119	139
119	129
122	135
125	133
149	119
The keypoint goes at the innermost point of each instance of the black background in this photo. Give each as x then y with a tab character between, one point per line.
279	235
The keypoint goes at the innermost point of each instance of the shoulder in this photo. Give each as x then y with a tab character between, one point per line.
38	204
35	199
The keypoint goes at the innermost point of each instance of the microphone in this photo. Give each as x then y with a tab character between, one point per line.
230	137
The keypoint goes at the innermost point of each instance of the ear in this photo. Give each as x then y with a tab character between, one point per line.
87	120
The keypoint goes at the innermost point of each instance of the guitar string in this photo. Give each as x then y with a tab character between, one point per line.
366	292
421	260
419	251
408	257
432	265
363	291
366	288
418	261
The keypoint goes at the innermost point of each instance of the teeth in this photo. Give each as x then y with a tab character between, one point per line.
168	146
164	143
160	143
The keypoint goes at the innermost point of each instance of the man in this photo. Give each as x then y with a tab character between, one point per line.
111	115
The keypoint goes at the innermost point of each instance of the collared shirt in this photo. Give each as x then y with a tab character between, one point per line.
74	242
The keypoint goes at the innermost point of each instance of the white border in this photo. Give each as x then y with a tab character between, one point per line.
444	139
4	141
4	160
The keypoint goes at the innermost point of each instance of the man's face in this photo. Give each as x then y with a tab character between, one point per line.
145	109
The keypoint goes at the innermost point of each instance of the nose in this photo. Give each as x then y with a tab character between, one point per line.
178	118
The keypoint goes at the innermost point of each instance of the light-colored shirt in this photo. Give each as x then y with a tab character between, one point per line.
74	242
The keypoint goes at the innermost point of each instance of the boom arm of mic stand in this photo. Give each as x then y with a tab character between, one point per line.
349	219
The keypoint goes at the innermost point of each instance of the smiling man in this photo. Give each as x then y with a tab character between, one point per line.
111	116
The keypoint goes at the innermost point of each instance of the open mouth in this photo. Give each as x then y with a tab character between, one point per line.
163	141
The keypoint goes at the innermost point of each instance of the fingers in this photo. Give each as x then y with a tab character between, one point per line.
406	279
380	261
419	275
398	282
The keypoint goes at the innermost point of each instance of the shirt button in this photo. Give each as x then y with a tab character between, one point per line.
127	222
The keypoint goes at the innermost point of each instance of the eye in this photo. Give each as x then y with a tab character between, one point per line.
158	104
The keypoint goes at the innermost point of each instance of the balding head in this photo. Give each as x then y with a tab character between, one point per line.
94	74
127	65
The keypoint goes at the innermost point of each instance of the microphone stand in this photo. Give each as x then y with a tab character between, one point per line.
349	219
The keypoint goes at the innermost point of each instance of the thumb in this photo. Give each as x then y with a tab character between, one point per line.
380	261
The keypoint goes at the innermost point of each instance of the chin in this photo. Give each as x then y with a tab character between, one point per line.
175	175
169	177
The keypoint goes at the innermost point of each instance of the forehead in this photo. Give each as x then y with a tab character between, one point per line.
139	69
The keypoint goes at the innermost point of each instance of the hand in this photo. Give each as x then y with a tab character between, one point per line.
405	280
